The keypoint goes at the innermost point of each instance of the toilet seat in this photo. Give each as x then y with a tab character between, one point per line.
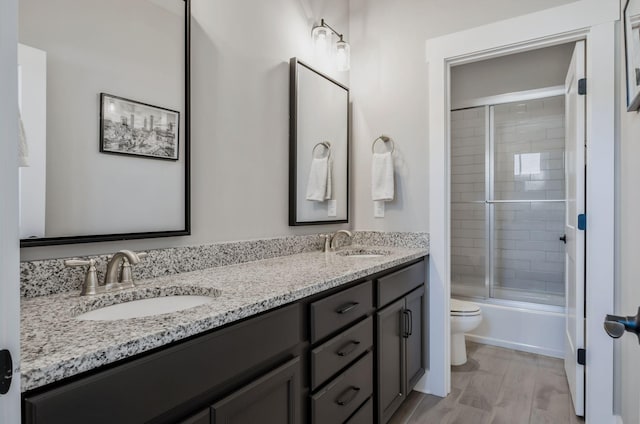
460	308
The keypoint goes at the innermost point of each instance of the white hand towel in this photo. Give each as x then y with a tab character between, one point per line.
23	147
319	184
382	177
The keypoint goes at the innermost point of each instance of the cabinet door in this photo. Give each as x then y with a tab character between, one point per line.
415	338
271	399
390	364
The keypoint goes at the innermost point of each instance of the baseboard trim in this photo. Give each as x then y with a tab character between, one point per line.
516	346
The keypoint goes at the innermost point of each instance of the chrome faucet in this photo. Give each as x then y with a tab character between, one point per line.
332	245
121	260
329	240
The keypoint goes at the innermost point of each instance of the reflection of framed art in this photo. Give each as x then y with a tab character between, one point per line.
132	128
632	52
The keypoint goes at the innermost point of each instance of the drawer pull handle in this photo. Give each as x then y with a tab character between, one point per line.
348	348
346	308
348	396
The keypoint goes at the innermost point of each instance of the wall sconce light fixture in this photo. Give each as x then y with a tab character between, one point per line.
321	35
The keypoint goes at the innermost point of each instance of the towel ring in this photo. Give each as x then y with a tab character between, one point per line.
384	139
324	144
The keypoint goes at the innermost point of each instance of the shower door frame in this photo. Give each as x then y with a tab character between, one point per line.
594	21
488	103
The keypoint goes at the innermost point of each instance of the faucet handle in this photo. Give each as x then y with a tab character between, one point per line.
90	285
327	241
72	263
126	277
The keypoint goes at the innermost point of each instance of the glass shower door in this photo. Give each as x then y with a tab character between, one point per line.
469	218
527	202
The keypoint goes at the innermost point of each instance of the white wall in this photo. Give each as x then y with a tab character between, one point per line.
9	275
627	378
240	117
530	70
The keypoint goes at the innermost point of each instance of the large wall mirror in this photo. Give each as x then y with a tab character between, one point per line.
104	103
319	148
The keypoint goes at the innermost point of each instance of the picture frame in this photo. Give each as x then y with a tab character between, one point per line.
632	53
130	127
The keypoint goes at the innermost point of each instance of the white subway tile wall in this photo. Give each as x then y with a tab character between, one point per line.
528	164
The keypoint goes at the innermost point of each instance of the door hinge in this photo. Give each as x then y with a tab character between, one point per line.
582	86
6	371
582	222
582	357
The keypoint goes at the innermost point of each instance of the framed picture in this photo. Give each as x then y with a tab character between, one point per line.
128	127
632	52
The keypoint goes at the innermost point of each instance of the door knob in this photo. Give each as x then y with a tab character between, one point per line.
563	238
615	325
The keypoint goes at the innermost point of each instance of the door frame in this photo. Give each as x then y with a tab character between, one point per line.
9	239
595	22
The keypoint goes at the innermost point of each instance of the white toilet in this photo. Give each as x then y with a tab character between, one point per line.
465	317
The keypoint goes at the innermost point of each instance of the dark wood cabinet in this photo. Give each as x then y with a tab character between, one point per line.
400	344
172	383
271	399
415	341
391	347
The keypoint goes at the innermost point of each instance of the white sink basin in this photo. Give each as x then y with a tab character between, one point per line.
362	253
145	308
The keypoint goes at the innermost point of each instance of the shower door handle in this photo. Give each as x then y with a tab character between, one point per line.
563	238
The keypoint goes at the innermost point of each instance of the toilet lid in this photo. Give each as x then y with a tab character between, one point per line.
460	307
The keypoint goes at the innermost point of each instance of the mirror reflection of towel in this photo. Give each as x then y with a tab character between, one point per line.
382	177
23	147
319	184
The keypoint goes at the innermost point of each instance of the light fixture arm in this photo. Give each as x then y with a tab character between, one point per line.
326	25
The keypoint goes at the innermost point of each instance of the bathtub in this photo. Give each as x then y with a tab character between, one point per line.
529	329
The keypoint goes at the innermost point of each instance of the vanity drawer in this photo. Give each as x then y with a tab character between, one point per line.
399	283
345	394
336	311
337	353
364	415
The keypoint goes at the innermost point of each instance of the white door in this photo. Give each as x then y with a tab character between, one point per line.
575	238
9	245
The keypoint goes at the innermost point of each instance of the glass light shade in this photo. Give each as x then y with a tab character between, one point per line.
321	42
343	55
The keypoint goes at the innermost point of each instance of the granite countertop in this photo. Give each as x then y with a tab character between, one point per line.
55	345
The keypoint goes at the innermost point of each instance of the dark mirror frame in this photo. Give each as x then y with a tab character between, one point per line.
293	143
52	241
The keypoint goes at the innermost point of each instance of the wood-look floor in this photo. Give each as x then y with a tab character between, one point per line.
496	386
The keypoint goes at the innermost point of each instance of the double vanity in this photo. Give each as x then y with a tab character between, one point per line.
317	337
